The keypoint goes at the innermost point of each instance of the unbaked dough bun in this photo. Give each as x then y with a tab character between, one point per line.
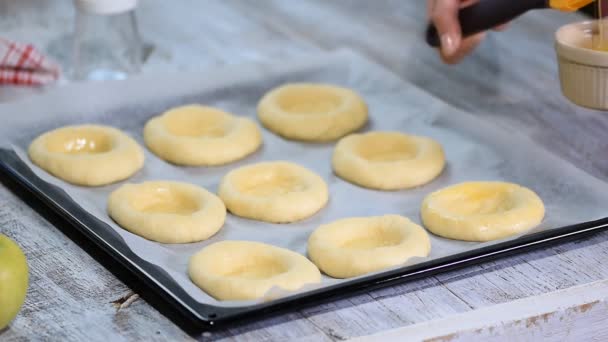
89	155
388	160
277	192
244	270
312	112
481	211
166	211
355	246
197	135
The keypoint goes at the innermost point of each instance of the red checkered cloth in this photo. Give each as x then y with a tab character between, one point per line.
21	64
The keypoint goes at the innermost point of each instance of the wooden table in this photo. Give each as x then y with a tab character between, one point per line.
558	292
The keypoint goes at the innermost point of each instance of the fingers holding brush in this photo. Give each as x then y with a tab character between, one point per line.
444	16
465	48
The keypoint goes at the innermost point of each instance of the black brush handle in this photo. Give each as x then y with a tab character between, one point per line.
485	15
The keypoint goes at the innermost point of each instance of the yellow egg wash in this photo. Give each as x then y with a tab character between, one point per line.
599	39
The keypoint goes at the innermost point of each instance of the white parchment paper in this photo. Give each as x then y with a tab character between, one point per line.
475	150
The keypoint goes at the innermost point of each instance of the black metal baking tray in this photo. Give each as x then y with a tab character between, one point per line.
197	316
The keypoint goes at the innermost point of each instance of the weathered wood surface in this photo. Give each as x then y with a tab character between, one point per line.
577	312
511	79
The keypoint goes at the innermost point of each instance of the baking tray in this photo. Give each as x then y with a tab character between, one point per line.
575	200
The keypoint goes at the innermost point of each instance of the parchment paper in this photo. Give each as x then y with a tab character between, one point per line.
475	150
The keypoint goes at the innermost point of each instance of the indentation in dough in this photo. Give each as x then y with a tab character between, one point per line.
197	135
164	200
197	121
256	267
277	182
312	111
374	237
167	211
79	141
380	148
243	270
481	211
277	192
478	200
388	160
309	100
354	246
87	155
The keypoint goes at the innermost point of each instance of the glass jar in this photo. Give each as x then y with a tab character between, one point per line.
107	44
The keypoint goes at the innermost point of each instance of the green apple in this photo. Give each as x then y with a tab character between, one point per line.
13	280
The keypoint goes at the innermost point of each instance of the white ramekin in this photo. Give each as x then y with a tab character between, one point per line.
583	72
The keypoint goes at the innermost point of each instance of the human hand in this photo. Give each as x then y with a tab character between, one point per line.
444	15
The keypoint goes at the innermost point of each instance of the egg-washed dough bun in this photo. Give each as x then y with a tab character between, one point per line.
278	192
197	135
244	270
89	155
388	160
481	211
312	112
166	211
355	246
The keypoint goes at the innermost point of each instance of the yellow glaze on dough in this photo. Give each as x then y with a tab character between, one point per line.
89	155
388	160
481	211
355	246
198	135
312	112
278	192
244	270
167	212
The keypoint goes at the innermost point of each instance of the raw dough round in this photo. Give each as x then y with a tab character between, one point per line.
481	211
388	160
355	246
242	270
198	135
167	212
89	155
278	192
312	112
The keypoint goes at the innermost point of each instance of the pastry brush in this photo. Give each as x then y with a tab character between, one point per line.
487	14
